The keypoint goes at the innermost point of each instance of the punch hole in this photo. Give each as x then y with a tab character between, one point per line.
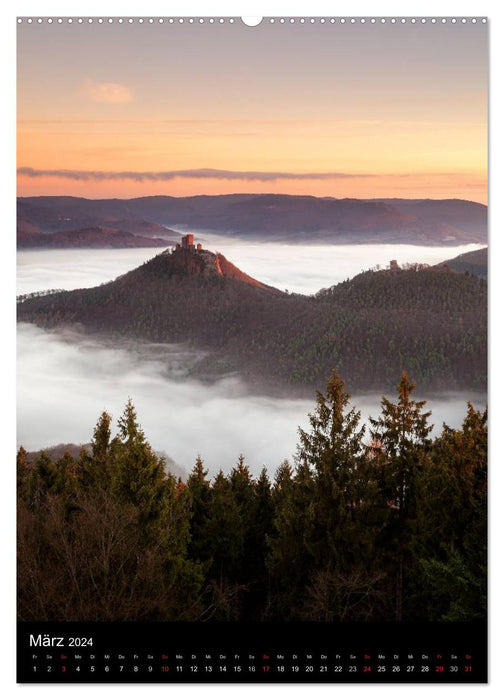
251	21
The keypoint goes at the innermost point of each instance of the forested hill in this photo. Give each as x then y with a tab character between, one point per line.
474	262
429	322
183	262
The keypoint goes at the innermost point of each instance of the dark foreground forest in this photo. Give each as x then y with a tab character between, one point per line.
389	525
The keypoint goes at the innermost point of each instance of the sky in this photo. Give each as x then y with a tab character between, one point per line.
342	110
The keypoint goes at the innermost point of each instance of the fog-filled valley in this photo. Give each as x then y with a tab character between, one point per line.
303	268
65	380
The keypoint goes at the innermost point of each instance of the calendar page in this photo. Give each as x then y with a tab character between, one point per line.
252	349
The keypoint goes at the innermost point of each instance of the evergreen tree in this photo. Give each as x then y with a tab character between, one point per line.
244	494
201	494
140	477
291	560
335	439
97	469
259	599
326	526
401	451
334	449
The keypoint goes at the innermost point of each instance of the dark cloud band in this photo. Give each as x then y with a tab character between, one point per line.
200	173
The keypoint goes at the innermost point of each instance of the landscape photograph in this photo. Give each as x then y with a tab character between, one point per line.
252	337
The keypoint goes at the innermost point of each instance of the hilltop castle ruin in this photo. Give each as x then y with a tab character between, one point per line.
188	244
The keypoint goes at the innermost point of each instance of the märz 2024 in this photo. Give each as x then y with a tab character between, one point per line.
44	640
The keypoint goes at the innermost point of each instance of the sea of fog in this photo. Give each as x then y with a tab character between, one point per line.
303	269
65	380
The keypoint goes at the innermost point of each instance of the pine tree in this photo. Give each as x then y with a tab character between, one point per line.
201	494
335	439
401	450
334	449
139	475
259	598
325	527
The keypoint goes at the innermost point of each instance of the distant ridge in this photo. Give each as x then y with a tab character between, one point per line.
271	217
91	237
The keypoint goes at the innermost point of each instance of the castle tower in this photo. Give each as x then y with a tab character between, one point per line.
188	241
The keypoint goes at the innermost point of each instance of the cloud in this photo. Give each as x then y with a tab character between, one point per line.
112	93
199	173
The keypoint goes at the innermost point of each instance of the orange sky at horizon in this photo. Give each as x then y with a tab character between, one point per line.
421	187
399	121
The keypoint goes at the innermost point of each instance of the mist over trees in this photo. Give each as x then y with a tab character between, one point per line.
370	327
389	525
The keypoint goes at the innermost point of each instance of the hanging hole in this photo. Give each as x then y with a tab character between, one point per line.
251	21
